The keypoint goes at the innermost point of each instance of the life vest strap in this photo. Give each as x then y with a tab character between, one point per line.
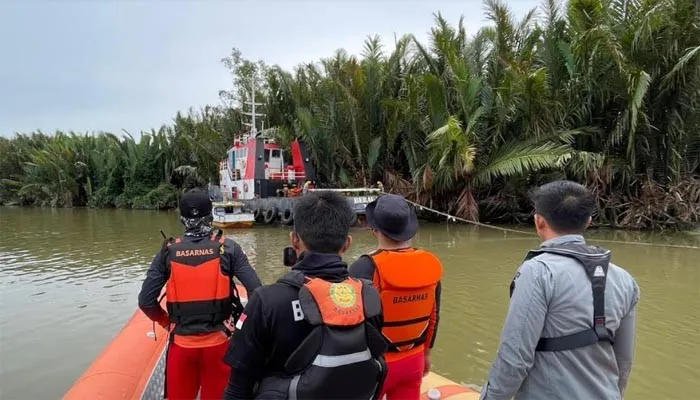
345	359
406	322
395	347
199	308
573	341
295	279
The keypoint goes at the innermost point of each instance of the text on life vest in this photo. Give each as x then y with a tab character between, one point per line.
410	298
194	252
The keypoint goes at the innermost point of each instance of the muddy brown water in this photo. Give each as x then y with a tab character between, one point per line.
70	278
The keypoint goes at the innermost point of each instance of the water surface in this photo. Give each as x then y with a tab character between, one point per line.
70	278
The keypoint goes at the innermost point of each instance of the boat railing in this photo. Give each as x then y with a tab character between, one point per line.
349	190
286	175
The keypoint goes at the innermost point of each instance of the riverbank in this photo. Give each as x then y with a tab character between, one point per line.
42	171
427	214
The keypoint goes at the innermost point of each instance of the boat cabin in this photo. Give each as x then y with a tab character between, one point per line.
255	168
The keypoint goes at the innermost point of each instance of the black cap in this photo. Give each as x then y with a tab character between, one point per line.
195	204
391	215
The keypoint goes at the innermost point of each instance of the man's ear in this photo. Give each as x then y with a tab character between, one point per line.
589	222
540	223
294	239
346	246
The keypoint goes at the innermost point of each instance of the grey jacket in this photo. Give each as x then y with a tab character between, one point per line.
553	297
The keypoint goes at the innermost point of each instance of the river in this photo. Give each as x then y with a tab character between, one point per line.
70	278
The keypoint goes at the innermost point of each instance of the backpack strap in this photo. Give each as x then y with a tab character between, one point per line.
294	279
370	298
596	262
170	241
238	307
218	236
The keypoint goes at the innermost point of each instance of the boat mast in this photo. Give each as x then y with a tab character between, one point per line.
253	115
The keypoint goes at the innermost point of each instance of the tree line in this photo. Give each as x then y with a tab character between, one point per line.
602	92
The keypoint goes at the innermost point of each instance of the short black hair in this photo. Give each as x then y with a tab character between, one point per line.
322	221
565	205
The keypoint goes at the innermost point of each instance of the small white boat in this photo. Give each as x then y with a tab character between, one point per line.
230	215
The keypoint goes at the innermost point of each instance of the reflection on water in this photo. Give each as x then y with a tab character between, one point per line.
70	280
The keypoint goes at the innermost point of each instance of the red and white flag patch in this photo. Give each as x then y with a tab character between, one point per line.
241	319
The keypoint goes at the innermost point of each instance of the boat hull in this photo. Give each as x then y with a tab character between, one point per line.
228	215
233	225
132	366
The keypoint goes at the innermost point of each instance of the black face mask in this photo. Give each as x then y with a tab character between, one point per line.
197	226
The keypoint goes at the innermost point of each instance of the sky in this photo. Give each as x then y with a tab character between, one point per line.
108	65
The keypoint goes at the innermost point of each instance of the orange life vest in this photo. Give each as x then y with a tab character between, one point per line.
406	280
342	356
199	297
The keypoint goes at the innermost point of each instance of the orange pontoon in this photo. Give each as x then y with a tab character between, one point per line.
133	367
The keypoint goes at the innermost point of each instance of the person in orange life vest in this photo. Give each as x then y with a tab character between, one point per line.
316	332
408	280
198	270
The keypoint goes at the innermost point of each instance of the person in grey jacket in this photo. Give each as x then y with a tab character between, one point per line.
569	332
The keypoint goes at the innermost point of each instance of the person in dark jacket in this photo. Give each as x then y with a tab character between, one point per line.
198	270
278	318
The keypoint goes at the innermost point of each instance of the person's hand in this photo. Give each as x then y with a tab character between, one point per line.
164	322
228	324
427	365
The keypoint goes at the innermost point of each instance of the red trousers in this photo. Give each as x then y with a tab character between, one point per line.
188	369
404	378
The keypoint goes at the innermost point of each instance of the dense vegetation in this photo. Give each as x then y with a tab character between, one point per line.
605	93
103	170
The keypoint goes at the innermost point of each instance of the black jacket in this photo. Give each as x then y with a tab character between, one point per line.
234	261
269	334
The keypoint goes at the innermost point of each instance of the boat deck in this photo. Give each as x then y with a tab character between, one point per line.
448	389
132	366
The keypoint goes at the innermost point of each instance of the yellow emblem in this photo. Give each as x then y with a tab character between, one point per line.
343	295
221	250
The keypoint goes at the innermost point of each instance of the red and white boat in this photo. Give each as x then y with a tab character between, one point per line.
255	173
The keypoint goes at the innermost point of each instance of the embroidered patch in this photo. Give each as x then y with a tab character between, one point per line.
343	295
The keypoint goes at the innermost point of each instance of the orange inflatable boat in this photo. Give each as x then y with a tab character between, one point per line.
133	367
